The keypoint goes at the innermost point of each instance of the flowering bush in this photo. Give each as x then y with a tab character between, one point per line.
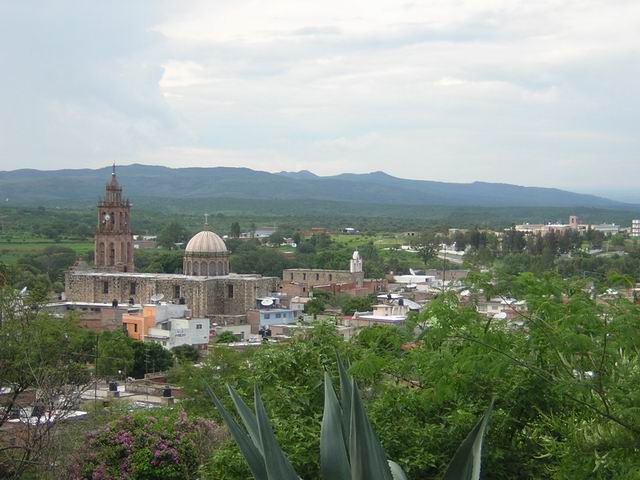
163	444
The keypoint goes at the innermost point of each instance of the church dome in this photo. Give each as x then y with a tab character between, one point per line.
206	242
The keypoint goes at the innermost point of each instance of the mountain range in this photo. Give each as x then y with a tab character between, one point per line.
65	187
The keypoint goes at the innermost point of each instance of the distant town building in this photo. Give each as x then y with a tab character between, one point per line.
94	316
206	286
391	308
168	325
543	229
635	228
270	311
113	238
303	281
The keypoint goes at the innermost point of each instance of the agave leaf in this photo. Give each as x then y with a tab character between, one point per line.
368	460
396	471
248	418
334	460
277	464
465	464
345	400
252	455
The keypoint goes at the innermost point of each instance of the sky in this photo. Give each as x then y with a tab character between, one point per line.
543	92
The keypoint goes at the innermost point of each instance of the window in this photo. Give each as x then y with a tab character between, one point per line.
317	276
135	328
229	291
304	276
132	288
330	277
291	275
199	326
278	315
105	287
176	291
304	289
267	316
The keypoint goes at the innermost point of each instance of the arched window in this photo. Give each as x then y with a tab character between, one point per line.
112	254
196	270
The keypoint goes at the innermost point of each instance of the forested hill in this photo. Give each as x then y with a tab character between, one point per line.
63	187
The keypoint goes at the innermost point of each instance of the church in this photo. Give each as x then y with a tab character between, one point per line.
206	285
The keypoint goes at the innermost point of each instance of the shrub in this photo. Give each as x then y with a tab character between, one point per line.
163	444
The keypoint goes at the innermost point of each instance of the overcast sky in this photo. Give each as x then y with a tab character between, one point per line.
540	92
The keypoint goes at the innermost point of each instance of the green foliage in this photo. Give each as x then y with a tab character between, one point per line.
186	353
149	357
115	355
226	337
314	307
172	233
350	305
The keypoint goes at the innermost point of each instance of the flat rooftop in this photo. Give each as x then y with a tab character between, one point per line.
165	276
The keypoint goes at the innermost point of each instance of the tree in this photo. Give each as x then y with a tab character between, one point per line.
172	233
42	375
350	305
235	230
186	353
226	337
149	357
314	307
426	247
115	355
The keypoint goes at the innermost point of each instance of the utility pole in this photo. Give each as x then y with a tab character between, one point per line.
95	390
444	266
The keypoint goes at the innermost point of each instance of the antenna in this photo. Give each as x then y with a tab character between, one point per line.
113	172
157	297
206	219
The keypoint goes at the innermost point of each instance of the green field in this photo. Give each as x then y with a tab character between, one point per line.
10	251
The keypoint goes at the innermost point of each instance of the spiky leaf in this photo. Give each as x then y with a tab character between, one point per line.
368	460
465	464
247	416
277	464
252	455
345	399
334	460
396	471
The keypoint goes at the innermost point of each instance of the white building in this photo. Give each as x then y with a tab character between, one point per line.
635	228
174	332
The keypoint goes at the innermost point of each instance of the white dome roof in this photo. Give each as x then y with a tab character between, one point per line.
206	242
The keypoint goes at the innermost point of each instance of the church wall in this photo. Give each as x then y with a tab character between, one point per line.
311	277
205	297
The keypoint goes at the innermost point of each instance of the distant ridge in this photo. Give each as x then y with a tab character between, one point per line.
63	187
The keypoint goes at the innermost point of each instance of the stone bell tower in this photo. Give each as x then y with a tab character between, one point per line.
114	241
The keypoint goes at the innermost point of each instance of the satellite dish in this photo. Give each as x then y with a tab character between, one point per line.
267	302
23	291
157	297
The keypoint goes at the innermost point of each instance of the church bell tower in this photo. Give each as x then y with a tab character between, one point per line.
114	241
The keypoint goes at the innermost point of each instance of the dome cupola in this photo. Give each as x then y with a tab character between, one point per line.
206	254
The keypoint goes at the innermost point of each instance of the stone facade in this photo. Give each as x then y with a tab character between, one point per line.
213	297
113	238
310	277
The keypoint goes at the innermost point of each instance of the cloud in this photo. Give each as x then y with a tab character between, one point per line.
495	90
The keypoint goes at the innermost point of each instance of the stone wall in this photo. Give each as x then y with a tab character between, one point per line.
205	296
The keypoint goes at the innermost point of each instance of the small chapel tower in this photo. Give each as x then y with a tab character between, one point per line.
114	241
355	267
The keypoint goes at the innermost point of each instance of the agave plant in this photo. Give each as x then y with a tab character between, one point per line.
349	447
